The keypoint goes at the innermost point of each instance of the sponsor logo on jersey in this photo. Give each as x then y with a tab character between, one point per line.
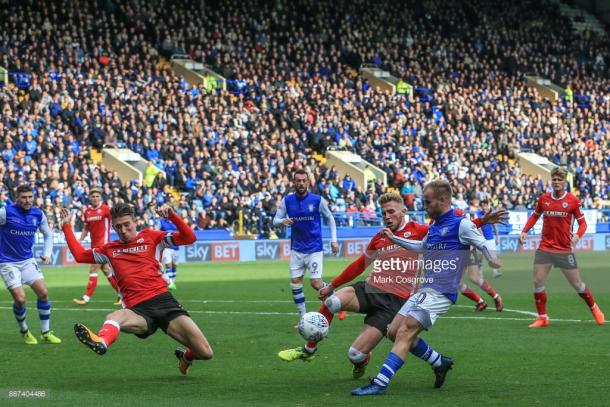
134	249
302	218
556	214
22	232
94	218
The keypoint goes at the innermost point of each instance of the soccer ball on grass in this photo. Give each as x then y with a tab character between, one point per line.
313	327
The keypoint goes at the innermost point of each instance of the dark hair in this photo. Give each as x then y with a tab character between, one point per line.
484	202
300	171
122	209
22	188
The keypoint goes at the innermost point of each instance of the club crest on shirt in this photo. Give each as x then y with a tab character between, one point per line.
407	234
99	211
140	240
34	222
444	231
310	207
564	205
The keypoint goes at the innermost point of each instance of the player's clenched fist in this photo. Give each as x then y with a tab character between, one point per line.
165	211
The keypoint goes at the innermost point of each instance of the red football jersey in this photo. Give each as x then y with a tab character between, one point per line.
394	269
98	222
559	215
136	266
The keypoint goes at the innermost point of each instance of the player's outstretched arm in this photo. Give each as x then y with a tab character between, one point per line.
531	221
78	251
185	234
352	271
470	236
409	244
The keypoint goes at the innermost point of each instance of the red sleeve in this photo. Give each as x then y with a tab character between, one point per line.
185	234
80	254
422	231
352	271
580	218
107	210
478	222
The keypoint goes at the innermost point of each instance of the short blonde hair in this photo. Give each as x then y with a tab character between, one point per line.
441	187
390	197
559	172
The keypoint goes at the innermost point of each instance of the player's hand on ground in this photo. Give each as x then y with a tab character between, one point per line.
287	221
500	215
324	292
66	217
165	211
522	238
334	246
575	239
45	259
387	233
495	263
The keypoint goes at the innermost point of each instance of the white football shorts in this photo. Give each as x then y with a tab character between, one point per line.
426	306
310	261
19	273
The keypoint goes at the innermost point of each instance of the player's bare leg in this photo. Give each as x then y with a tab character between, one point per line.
475	274
360	350
184	330
541	273
573	277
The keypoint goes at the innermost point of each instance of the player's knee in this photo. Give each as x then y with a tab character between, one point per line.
333	303
19	300
205	352
402	333
42	294
355	356
463	287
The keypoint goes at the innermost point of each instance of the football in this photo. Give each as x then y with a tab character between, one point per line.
313	327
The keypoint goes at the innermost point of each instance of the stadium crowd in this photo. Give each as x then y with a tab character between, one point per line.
97	78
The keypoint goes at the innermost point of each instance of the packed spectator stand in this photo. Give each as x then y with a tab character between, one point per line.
90	74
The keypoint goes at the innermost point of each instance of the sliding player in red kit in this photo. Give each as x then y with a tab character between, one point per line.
559	208
134	261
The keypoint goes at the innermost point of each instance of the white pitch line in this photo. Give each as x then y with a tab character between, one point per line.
294	313
516	311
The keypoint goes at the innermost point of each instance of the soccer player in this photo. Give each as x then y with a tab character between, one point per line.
134	260
490	233
559	208
301	211
170	255
445	248
19	223
97	223
378	299
474	265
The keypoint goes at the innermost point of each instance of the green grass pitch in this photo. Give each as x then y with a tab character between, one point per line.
246	312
